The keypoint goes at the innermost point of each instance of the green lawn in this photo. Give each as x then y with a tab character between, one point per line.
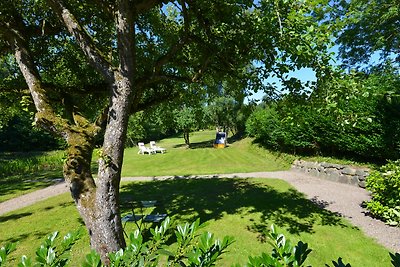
240	156
21	173
202	158
16	185
243	208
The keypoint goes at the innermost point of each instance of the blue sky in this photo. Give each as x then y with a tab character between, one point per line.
305	74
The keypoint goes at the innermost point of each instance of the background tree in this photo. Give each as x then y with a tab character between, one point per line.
126	56
187	120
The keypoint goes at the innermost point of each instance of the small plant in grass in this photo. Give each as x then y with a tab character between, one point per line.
5	251
283	252
50	253
385	188
190	249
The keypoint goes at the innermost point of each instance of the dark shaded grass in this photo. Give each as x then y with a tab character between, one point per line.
16	185
243	208
211	199
246	208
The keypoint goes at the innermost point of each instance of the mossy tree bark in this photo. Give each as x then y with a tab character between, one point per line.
97	203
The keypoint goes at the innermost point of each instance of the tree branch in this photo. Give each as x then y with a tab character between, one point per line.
145	5
151	102
92	89
186	20
126	37
169	55
83	39
46	116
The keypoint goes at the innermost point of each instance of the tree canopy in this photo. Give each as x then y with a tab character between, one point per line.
368	27
88	65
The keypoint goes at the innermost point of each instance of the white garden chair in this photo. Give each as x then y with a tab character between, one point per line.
143	149
156	148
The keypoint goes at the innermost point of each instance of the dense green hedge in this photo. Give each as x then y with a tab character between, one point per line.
19	135
361	121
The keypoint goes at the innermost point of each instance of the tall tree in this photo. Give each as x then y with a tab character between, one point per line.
123	56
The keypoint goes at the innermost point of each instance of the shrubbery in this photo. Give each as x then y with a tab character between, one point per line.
190	248
356	117
19	135
384	186
28	163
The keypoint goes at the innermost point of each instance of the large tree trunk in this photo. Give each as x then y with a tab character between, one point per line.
100	208
109	236
110	233
98	204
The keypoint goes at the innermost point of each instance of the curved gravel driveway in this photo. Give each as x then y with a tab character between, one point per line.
336	197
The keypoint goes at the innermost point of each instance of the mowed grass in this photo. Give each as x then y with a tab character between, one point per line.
243	208
201	158
22	173
16	185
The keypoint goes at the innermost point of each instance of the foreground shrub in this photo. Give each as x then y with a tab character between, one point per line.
385	188
189	248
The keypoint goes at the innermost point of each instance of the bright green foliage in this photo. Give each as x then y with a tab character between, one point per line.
385	188
284	254
265	124
5	251
136	131
192	248
188	119
352	115
52	252
187	247
224	112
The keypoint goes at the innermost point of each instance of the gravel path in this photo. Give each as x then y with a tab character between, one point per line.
340	198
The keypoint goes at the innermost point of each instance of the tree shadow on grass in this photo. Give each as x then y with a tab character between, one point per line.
36	234
211	199
197	145
20	183
15	216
